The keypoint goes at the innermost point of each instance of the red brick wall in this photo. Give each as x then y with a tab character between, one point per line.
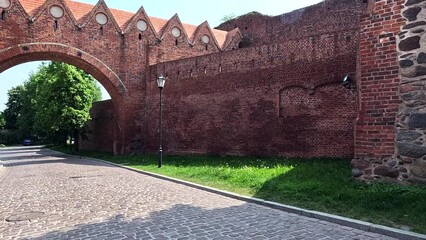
379	79
101	128
281	97
330	16
244	102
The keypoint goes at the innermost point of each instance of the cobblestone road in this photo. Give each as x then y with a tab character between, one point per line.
44	195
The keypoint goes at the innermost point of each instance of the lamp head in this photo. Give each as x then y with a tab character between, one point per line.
347	81
161	81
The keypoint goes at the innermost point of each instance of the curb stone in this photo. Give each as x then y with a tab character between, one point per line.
344	221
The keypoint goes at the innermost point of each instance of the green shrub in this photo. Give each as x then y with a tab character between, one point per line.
8	137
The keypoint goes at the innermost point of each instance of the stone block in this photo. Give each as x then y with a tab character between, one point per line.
357	172
417	120
386	171
407	160
394	173
413	2
413	96
413	25
418	169
421	58
406	63
361	164
410	43
416	180
411	150
411	13
392	163
408	136
409	72
420	71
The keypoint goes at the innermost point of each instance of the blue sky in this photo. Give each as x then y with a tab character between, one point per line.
190	11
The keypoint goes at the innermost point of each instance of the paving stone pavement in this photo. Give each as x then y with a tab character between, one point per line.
45	195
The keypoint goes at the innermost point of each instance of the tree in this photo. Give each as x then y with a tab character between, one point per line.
13	107
64	96
55	102
228	17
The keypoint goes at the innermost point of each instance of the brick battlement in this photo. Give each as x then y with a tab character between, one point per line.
315	48
123	22
330	16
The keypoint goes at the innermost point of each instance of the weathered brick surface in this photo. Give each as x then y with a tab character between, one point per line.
392	117
378	74
100	129
282	96
253	110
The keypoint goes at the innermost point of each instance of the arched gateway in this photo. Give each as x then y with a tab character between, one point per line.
116	47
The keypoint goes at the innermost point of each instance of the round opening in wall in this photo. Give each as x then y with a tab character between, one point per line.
205	39
56	12
101	18
176	32
4	3
142	25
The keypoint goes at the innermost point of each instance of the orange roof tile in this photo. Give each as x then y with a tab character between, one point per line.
158	23
78	9
229	37
31	6
220	36
190	29
122	17
81	10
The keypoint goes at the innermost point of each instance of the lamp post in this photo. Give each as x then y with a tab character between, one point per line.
160	82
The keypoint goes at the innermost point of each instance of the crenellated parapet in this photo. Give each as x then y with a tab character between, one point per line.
258	29
125	23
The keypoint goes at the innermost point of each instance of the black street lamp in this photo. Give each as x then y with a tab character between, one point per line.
160	82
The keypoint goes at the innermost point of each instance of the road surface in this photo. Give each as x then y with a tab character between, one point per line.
46	195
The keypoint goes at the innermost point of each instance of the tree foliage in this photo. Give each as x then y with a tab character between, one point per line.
13	107
64	97
54	102
228	17
2	121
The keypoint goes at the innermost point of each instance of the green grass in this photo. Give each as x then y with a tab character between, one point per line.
317	184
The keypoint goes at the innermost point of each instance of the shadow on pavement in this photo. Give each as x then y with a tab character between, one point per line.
37	155
188	222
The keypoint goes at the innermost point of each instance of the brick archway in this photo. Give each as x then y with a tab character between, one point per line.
23	53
